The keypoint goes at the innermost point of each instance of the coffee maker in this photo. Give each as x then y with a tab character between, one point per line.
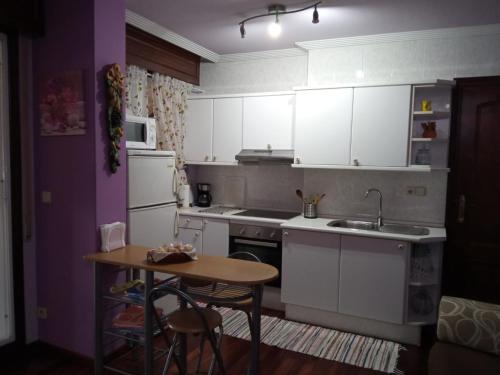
204	197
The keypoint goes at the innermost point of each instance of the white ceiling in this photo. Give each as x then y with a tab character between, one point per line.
214	23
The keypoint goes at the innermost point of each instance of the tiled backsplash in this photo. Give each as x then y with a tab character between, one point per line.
273	186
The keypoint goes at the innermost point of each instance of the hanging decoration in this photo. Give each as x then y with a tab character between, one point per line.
115	85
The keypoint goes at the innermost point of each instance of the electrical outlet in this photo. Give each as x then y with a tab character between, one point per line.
42	313
46	197
420	191
417	191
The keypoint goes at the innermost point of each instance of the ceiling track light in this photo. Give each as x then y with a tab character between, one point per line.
276	11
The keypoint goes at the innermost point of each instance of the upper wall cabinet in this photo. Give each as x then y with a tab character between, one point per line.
268	122
227	134
213	130
380	126
199	128
323	126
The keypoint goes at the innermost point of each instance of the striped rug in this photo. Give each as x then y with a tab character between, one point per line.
357	350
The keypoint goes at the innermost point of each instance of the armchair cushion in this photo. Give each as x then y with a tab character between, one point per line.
469	323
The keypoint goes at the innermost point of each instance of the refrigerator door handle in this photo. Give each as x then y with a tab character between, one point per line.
176	224
175	183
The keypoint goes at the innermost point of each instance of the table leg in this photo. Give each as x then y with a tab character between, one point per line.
182	337
98	345
255	350
148	326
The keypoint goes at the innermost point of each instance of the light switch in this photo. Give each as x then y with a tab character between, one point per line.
46	197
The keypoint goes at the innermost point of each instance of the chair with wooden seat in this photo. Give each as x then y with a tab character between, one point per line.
246	304
191	319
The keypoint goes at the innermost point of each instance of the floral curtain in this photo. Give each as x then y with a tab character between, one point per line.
169	104
136	93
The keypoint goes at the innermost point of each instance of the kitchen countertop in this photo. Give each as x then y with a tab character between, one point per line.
316	225
320	225
229	215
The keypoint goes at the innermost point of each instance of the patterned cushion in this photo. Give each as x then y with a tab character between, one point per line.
470	323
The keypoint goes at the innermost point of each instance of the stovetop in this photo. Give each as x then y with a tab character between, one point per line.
268	214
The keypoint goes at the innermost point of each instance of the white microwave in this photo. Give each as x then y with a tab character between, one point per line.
140	132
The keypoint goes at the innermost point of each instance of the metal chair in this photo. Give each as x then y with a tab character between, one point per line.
194	320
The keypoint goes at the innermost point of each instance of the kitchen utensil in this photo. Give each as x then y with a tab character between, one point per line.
318	198
310	210
299	194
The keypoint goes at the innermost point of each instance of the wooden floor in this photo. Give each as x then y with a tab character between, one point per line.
45	360
42	359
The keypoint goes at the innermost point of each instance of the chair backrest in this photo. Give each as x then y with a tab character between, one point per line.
245	255
163	290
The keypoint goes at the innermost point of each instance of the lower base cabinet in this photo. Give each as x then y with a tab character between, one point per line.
208	236
310	269
215	237
373	276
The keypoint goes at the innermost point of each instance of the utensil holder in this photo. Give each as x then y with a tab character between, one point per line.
310	210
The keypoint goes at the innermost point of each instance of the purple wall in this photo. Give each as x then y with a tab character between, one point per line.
80	35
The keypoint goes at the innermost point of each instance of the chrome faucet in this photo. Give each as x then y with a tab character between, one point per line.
380	221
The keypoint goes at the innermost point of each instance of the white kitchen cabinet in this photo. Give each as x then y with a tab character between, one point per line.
323	126
216	237
268	122
310	269
228	129
373	278
199	129
191	236
380	126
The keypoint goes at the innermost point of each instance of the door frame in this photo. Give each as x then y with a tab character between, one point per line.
19	343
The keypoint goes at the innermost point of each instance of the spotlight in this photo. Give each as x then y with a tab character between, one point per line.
242	30
315	15
274	28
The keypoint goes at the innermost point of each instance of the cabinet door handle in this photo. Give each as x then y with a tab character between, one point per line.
285	233
401	246
461	209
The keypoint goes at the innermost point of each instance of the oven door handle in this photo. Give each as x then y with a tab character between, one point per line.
256	243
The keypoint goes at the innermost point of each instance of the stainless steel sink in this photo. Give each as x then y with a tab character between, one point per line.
353	224
404	229
386	228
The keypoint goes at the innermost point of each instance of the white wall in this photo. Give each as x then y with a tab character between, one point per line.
273	186
254	75
383	59
415	60
407	57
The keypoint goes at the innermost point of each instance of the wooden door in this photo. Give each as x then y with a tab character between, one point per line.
323	126
228	128
472	253
373	278
268	120
310	269
380	126
199	128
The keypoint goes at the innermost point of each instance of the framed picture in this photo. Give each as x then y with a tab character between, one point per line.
62	105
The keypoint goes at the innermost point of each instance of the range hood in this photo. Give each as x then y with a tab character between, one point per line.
265	157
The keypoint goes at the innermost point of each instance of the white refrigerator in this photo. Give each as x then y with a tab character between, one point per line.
152	197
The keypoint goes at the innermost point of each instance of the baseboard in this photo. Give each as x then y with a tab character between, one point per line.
399	333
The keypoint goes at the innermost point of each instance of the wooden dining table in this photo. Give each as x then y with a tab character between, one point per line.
208	268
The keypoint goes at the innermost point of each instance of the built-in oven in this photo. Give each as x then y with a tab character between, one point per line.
262	241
